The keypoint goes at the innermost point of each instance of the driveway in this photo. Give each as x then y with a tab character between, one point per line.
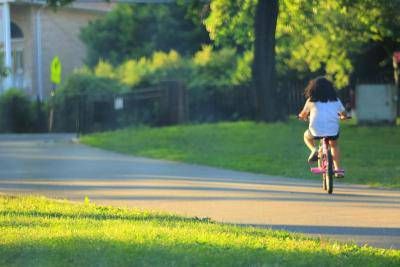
55	166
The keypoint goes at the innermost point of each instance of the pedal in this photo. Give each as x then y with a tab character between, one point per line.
317	170
338	171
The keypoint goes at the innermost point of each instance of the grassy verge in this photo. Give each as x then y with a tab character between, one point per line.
42	232
370	155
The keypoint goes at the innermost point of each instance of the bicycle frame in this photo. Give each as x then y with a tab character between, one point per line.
323	150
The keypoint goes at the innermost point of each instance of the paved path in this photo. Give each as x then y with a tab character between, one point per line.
54	166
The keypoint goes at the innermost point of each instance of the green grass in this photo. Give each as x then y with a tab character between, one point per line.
42	232
370	155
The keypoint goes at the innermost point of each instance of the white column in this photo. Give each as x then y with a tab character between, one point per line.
38	46
7	82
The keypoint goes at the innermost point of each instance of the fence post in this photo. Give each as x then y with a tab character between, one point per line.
177	103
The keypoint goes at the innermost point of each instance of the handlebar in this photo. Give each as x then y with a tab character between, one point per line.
341	118
345	117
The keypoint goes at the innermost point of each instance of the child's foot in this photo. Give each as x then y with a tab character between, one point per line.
339	173
313	156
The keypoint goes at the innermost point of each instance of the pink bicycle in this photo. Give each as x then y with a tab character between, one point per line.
325	163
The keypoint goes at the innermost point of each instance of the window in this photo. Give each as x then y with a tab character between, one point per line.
16	32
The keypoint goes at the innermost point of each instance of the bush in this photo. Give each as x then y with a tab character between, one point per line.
213	69
80	97
152	71
86	83
208	69
216	79
16	113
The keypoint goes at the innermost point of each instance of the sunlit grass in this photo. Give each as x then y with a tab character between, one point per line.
370	155
42	232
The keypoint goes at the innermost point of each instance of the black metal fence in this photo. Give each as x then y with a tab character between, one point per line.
167	104
209	105
99	112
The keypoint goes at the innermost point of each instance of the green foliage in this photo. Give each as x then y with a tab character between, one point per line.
206	69
230	23
209	74
243	72
76	98
136	30
36	231
16	114
213	69
80	83
145	71
104	69
132	72
313	36
165	66
274	148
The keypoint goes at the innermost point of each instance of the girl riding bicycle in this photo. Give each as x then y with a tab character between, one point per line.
323	108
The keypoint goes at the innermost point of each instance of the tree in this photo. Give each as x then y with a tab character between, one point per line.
264	74
121	34
313	37
231	23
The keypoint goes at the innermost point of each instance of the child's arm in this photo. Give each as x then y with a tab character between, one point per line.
344	116
305	112
342	111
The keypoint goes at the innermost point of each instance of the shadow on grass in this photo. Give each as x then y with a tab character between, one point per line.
102	252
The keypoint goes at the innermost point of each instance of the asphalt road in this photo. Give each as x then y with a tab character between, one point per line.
54	166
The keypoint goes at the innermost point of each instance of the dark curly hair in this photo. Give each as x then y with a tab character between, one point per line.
320	89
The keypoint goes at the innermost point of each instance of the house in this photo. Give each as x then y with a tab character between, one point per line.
32	34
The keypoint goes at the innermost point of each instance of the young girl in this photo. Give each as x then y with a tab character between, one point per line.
324	109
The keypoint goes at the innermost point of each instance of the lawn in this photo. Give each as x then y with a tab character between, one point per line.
42	232
370	155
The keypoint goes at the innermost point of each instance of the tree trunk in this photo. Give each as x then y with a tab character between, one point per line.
268	102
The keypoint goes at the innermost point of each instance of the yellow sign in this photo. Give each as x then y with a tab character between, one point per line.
55	70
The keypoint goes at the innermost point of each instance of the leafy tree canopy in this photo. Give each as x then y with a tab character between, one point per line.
312	36
132	31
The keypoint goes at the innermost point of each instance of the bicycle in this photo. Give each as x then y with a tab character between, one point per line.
325	163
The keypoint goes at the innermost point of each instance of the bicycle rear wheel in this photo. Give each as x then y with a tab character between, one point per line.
322	165
329	173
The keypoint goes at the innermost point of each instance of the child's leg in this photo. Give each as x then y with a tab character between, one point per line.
335	153
309	140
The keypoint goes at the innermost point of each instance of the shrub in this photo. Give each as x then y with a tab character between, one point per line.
132	72
214	78
207	70
104	69
77	98
15	112
84	83
213	69
159	67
